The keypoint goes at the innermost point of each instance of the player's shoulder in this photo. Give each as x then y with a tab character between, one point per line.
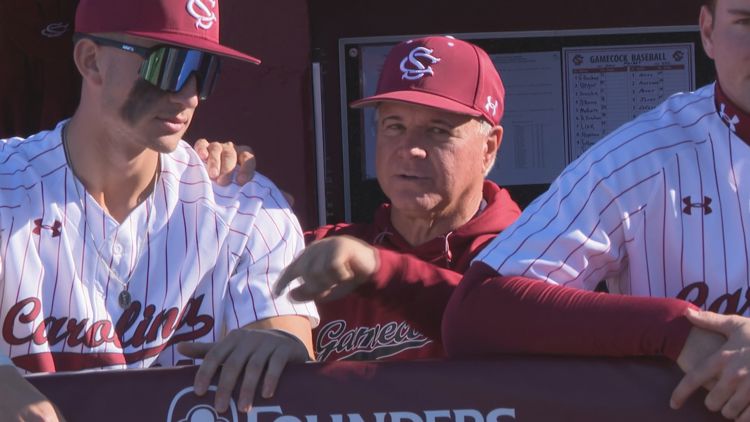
258	206
31	158
184	161
678	124
683	108
250	198
681	116
185	176
26	148
188	179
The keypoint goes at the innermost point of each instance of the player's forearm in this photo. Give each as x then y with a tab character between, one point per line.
295	326
19	400
417	289
489	314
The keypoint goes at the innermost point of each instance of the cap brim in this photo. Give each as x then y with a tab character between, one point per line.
418	98
194	43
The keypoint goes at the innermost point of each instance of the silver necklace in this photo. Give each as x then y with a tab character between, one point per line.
124	298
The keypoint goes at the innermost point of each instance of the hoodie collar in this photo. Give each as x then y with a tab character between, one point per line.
498	212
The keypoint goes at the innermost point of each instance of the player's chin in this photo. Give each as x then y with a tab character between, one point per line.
165	143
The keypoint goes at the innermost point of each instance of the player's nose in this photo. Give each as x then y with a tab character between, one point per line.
188	95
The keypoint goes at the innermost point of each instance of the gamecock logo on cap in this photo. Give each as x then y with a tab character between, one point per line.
413	68
204	14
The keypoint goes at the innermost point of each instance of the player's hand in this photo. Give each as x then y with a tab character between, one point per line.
222	158
248	350
20	401
725	372
330	269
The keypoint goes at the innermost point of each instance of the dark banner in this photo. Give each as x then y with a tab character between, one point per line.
506	389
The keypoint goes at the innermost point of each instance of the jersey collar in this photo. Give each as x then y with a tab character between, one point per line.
737	120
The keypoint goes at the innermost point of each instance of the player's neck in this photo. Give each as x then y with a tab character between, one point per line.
418	228
117	177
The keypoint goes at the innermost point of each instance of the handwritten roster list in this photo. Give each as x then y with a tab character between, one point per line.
606	87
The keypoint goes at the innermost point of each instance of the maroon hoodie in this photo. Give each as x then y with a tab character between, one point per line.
413	283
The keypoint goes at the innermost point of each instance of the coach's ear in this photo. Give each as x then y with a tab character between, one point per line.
492	143
86	58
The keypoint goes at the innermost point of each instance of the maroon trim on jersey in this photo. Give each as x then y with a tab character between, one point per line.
67	361
733	116
490	314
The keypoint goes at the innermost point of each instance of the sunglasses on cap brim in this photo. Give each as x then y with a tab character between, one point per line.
169	67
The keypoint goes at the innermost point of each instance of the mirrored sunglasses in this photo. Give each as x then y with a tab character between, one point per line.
170	67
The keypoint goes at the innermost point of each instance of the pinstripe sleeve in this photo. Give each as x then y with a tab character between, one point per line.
576	233
273	242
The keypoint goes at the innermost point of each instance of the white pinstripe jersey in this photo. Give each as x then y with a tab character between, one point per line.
206	265
660	207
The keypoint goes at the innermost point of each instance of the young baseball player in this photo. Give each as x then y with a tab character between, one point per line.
116	248
657	208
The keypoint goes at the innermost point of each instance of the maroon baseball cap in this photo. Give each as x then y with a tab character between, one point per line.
187	23
441	72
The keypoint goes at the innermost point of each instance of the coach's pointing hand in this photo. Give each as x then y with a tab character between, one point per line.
20	401
264	345
330	268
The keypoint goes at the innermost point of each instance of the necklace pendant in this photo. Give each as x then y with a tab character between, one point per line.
124	299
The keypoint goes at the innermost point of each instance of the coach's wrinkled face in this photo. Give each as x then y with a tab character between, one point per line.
726	39
141	112
428	160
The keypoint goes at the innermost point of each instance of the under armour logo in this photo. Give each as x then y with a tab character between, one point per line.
203	14
417	69
733	121
55	227
491	104
689	205
56	29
